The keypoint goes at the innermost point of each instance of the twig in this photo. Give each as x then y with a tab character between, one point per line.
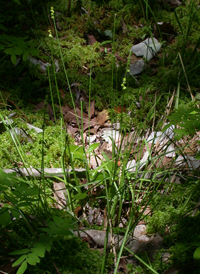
48	172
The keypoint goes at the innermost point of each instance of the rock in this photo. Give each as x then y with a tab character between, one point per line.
147	49
139	230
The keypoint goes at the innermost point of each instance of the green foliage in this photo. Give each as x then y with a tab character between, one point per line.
19	194
23	198
17	1
17	46
197	254
32	151
59	226
188	119
185	239
30	256
169	208
74	256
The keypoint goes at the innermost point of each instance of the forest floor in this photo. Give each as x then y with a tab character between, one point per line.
98	89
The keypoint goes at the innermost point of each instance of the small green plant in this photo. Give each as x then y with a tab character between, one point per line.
17	46
188	120
18	194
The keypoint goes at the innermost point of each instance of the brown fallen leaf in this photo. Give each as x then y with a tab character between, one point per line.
120	109
174	3
4	95
102	49
102	117
119	58
50	112
91	39
60	194
67	112
124	27
95	161
8	268
87	124
72	130
79	114
62	94
147	211
92	110
78	211
41	105
166	29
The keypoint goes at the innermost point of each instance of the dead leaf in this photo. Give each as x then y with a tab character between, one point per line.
57	20
4	95
62	94
41	105
102	49
119	58
147	211
78	211
124	27
92	110
95	161
8	268
166	162
166	29
120	109
65	111
86	125
60	194
102	117
174	3
72	130
50	112
79	114
91	39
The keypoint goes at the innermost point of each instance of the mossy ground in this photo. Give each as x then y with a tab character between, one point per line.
28	85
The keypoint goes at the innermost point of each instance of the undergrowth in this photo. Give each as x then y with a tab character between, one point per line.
46	244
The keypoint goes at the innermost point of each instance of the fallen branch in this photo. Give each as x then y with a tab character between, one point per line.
136	245
47	172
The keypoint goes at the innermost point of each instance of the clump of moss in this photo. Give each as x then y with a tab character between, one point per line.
73	256
50	146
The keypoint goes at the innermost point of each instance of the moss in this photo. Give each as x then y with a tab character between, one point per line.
32	152
74	256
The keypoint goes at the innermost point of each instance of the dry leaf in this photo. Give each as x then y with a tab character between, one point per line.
102	117
92	110
79	114
72	130
124	27
166	29
50	112
41	105
62	94
95	161
119	58
120	109
60	194
91	39
174	3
